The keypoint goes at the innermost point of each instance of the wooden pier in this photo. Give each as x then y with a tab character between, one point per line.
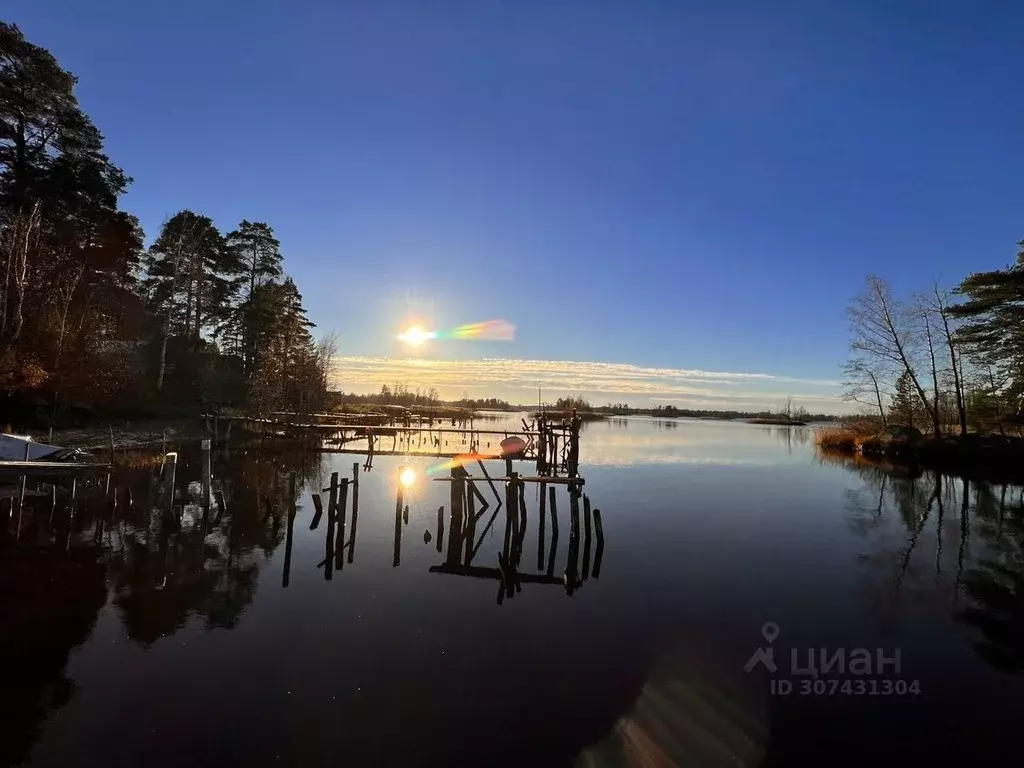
553	446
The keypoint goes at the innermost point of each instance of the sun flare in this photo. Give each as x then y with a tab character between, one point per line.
407	476
415	336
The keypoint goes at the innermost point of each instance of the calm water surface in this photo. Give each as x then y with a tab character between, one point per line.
150	644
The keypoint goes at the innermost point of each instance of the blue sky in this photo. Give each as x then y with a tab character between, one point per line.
667	186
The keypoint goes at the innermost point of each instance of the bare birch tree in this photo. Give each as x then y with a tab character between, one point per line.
883	335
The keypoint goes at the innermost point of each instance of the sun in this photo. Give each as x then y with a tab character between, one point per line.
415	336
407	476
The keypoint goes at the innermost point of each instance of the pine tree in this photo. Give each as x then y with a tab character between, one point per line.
258	251
994	327
905	401
191	281
68	255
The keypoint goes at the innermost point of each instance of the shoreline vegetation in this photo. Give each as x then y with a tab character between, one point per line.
940	374
996	458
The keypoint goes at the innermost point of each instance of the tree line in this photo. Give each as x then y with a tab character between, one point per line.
947	360
89	314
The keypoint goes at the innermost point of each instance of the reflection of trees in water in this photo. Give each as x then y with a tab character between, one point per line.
791	437
164	573
51	600
933	535
994	587
55	570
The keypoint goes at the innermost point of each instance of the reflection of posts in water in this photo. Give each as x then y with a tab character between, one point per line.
440	527
339	547
332	501
554	533
218	495
540	523
599	530
469	526
207	478
571	564
355	512
170	469
490	482
511	508
586	537
288	535
318	511
21	503
398	522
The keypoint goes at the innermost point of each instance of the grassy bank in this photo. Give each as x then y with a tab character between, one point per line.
985	457
846	436
566	415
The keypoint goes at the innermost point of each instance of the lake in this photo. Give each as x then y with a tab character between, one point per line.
730	554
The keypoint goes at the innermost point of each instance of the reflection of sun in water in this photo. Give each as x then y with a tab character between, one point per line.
407	476
414	336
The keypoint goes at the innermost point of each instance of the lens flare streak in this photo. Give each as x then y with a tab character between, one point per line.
489	330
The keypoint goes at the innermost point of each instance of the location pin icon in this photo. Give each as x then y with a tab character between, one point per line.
770	631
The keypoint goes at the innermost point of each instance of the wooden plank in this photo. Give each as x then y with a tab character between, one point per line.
553	480
49	467
425	452
492	573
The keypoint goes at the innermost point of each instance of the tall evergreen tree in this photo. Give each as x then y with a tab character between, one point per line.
994	327
905	401
258	252
67	254
191	281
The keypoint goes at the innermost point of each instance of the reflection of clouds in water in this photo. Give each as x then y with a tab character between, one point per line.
646	441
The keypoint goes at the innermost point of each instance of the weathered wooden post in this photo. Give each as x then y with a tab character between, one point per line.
574	445
542	447
511	514
457	511
440	527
